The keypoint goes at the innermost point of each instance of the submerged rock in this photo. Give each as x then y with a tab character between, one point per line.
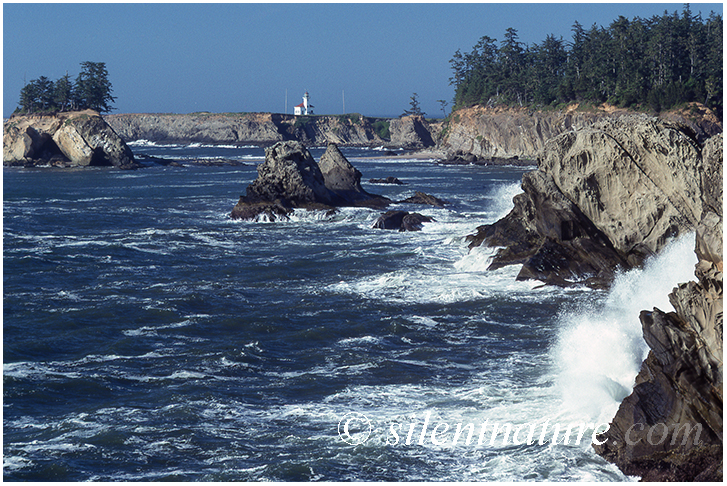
290	178
402	221
423	198
388	180
603	198
64	139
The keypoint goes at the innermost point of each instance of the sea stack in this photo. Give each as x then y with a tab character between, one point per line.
290	178
66	139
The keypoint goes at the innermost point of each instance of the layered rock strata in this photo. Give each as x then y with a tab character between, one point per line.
603	197
498	134
670	427
290	178
65	139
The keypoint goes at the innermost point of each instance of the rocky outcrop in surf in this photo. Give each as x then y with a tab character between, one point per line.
670	427
290	178
401	221
603	198
67	139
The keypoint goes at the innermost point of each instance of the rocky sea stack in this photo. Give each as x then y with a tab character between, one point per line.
290	178
67	139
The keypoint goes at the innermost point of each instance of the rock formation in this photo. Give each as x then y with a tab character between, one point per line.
290	178
266	128
603	197
388	180
344	180
64	139
423	198
670	427
480	133
402	221
411	132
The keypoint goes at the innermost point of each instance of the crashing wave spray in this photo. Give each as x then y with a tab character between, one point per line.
600	346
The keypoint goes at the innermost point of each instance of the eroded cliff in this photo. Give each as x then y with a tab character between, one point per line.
603	197
670	428
506	132
269	128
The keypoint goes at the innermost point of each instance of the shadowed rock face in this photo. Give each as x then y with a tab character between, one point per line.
290	178
65	139
402	221
604	197
670	427
680	386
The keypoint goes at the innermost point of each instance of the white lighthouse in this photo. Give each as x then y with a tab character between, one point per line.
304	108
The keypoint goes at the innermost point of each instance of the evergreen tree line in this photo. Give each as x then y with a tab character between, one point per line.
91	89
656	63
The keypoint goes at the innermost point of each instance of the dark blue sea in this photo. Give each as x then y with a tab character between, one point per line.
147	336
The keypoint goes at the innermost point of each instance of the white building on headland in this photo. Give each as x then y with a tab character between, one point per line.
304	108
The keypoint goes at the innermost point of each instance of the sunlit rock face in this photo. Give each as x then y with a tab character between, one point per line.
603	197
64	139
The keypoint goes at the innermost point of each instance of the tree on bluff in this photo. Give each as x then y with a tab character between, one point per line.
92	90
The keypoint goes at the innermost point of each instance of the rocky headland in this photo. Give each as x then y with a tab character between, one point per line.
269	128
605	197
511	135
67	139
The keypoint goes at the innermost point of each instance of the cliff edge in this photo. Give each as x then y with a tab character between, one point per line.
505	132
670	427
604	197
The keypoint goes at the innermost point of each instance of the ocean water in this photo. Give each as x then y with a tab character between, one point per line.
149	337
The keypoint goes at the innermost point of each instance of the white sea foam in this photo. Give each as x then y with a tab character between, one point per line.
501	199
600	345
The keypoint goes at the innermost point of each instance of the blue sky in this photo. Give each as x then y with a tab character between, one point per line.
182	58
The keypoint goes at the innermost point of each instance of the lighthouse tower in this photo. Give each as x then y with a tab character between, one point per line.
304	108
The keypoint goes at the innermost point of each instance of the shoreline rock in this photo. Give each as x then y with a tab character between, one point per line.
680	386
602	198
401	221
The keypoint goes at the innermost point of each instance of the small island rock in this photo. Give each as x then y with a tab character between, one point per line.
65	139
290	178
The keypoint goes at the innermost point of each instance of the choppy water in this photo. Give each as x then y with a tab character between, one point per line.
147	336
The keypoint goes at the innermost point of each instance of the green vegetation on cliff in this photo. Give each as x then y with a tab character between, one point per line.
656	63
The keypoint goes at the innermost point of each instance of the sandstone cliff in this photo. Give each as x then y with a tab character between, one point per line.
604	197
505	132
670	427
64	139
269	128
